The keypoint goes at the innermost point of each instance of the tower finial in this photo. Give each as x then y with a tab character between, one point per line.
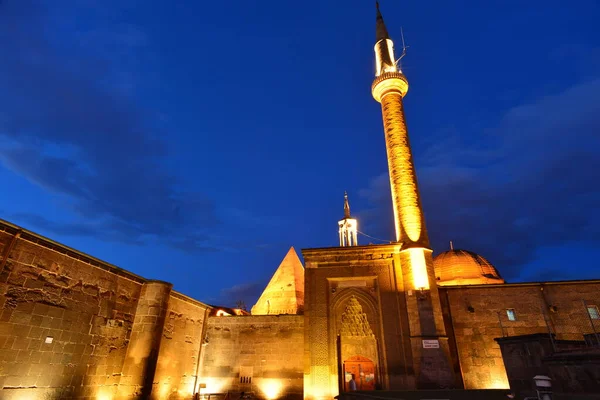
346	205
381	30
451	245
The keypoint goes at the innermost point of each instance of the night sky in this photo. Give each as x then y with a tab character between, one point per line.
196	141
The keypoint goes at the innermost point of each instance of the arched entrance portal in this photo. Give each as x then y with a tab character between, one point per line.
363	371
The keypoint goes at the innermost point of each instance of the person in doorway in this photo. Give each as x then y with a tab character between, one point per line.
352	384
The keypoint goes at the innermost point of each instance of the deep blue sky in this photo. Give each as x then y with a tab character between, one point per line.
195	142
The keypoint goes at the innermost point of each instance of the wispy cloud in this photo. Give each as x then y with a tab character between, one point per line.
531	183
70	123
248	293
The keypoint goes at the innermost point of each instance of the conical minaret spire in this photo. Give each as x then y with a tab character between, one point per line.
346	206
348	227
384	47
382	32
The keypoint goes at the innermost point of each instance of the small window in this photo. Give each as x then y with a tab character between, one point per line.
246	375
593	312
510	313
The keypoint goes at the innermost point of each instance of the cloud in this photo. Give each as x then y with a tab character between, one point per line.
530	182
70	123
246	292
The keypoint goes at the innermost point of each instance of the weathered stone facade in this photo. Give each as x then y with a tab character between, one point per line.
373	276
254	354
476	315
74	326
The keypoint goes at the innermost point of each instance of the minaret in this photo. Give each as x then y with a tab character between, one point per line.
419	285
389	87
347	226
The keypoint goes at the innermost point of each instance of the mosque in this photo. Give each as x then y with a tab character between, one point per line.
377	317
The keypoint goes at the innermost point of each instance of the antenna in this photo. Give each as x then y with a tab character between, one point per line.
404	47
451	245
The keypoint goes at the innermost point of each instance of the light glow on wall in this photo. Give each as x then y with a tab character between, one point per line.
498	380
164	391
318	386
214	385
418	267
271	388
105	394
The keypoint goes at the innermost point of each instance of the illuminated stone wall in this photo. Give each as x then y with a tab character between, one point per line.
373	275
72	326
260	354
85	310
476	315
179	347
140	363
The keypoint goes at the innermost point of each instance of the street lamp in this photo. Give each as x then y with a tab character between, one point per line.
543	386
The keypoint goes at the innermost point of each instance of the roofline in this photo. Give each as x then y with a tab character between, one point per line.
36	238
503	285
185	297
348	248
488	285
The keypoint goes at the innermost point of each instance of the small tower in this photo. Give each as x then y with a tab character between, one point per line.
347	226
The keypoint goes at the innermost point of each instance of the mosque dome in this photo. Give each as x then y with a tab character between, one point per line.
463	267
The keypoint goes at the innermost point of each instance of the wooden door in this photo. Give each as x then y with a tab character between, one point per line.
363	371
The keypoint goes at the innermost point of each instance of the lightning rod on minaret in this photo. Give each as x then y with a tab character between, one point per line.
403	47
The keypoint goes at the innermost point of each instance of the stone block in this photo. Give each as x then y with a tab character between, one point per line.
9	355
46	322
36	320
19	317
20	330
13	380
16	279
36	332
55	312
55	323
56	358
34	344
46	357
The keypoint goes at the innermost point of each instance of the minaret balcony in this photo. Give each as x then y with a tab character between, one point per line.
389	82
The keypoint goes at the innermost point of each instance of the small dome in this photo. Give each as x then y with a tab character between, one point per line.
463	267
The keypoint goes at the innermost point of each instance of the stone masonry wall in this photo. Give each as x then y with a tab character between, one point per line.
139	366
260	354
64	324
72	326
179	348
478	315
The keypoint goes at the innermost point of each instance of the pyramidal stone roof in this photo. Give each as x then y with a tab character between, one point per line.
285	292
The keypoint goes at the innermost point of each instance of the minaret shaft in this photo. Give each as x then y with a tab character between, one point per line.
425	318
408	215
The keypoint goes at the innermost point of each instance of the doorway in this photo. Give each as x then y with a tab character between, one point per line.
363	371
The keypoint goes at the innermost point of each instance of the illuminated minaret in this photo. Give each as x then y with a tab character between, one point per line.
348	226
389	87
415	256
